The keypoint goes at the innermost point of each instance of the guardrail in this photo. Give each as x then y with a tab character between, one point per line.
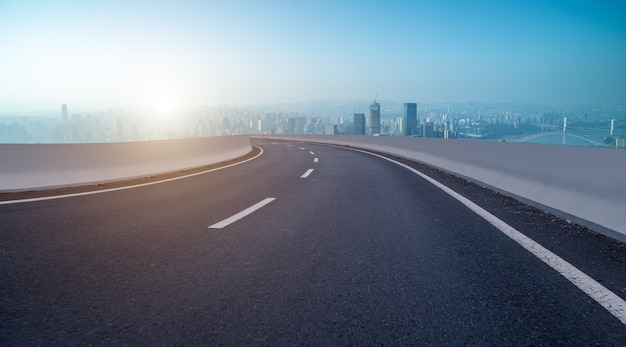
584	185
39	166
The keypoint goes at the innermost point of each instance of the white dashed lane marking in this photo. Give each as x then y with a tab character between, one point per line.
240	215
307	173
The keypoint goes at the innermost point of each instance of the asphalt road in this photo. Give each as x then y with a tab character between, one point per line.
359	251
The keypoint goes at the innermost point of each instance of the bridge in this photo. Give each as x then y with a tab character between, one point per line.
315	240
531	137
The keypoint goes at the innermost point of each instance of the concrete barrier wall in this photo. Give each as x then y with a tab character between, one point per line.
38	166
585	185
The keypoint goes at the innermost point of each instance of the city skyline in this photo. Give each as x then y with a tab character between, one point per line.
595	126
168	55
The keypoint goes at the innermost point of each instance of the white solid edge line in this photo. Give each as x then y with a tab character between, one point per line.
238	216
8	202
602	295
307	173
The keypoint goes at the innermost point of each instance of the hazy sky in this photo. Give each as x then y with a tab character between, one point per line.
228	52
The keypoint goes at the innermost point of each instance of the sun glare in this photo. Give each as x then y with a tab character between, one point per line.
164	109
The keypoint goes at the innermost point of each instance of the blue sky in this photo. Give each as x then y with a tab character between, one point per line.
116	53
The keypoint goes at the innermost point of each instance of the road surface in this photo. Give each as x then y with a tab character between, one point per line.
303	244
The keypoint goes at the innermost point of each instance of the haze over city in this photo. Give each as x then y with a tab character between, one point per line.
174	54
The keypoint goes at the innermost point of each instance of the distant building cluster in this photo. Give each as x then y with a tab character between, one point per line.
501	122
405	125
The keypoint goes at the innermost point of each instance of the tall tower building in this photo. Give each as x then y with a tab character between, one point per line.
612	126
64	111
409	118
359	123
374	120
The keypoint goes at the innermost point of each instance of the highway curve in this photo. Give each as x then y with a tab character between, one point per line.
305	244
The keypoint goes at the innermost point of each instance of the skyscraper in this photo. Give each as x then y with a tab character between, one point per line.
374	121
428	130
64	111
359	124
409	121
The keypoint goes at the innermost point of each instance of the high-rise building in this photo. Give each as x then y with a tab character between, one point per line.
428	130
359	123
374	120
296	125
409	119
64	111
